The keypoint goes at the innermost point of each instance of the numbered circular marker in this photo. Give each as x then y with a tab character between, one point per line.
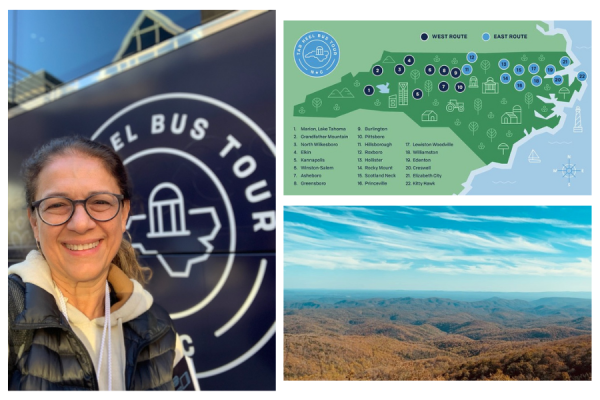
459	87
417	94
550	69
424	36
444	70
399	69
536	81
443	86
558	80
504	64
582	76
565	61
472	57
519	85
467	69
534	68
369	90
505	78
455	72
409	60
519	69
430	69
485	36
377	70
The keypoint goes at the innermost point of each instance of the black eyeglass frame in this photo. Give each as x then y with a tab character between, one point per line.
74	203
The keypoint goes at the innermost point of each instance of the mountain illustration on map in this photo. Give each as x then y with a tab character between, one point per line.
489	112
345	93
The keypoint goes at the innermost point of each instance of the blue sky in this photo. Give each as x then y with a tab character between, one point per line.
502	249
69	44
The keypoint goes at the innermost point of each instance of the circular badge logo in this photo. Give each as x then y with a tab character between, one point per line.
316	54
203	218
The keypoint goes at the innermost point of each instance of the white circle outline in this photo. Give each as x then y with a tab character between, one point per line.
316	76
257	130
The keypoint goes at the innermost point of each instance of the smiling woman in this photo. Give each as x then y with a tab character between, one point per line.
84	301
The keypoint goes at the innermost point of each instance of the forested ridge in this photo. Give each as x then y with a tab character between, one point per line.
438	339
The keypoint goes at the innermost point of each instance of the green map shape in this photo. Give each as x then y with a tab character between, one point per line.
494	115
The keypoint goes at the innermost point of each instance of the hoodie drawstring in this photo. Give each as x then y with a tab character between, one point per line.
106	328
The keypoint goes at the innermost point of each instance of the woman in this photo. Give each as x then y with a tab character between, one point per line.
78	315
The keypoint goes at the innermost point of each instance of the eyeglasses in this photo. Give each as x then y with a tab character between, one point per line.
57	210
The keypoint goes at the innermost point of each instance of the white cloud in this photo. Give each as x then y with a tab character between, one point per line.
511	220
339	260
583	242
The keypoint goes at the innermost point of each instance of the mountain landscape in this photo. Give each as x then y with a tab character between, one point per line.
329	336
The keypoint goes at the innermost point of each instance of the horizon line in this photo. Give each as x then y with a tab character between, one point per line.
439	290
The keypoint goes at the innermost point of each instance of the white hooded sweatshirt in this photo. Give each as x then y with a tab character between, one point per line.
133	301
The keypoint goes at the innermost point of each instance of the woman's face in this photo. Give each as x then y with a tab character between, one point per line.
77	176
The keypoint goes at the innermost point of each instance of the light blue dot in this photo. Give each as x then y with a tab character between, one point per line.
565	61
472	57
504	64
485	36
467	69
582	76
519	85
536	81
558	80
550	69
534	68
505	78
519	69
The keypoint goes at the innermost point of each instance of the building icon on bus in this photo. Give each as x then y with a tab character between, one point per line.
173	209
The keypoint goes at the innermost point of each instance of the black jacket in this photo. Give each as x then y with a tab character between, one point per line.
53	357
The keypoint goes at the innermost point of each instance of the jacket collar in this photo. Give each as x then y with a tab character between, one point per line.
40	310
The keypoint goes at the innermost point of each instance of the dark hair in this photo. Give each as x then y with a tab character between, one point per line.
125	258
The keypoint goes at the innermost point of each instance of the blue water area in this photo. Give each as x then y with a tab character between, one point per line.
553	150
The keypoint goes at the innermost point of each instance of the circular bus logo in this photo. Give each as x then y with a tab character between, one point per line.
316	54
203	218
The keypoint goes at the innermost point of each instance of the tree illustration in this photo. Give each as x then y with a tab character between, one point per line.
301	110
415	74
436	102
356	83
542	58
473	127
503	101
457	122
485	65
491	133
524	57
377	103
491	115
428	87
528	99
336	107
544	109
478	105
547	87
481	146
436	58
454	61
317	102
509	133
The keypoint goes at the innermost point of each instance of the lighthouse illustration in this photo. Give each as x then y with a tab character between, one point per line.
577	128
